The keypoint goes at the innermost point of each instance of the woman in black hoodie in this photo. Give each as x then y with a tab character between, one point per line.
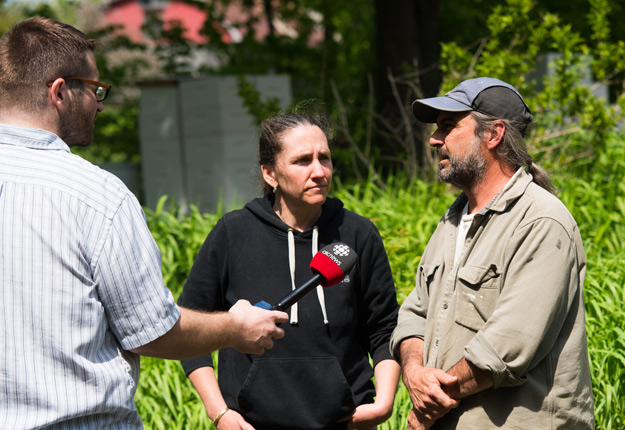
319	375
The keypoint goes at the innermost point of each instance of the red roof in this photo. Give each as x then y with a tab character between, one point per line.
131	15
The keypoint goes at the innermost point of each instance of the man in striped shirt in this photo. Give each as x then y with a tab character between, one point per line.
81	289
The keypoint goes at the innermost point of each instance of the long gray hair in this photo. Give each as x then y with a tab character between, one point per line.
512	149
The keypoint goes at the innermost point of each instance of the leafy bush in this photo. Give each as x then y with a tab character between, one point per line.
563	105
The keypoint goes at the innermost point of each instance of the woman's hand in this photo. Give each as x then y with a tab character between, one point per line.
232	420
368	416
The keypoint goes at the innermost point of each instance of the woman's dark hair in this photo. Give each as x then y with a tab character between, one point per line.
271	131
512	148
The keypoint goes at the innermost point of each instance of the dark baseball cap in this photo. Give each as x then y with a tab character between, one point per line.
486	95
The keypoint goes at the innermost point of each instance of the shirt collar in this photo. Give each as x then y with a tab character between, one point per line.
33	138
515	187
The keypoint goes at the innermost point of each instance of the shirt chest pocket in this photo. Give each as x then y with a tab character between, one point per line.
477	292
428	274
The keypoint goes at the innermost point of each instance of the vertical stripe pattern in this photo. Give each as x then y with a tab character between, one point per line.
80	284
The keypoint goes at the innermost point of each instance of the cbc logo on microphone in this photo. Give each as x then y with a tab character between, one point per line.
341	249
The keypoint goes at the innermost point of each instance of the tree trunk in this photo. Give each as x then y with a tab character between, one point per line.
408	49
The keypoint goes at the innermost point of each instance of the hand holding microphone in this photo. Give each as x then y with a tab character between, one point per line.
256	328
329	266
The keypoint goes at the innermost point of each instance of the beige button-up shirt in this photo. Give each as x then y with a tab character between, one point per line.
513	305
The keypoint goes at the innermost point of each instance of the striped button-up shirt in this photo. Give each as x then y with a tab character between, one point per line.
80	285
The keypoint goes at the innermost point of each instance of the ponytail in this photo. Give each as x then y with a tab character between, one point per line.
540	177
512	148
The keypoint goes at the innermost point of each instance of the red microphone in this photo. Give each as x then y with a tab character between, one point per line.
329	266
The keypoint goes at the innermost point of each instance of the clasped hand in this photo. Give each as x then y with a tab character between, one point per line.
430	402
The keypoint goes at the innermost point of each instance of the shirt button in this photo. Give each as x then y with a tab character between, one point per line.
436	343
445	306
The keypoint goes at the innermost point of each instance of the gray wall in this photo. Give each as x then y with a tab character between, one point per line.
198	144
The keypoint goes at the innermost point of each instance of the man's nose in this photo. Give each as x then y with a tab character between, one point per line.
437	138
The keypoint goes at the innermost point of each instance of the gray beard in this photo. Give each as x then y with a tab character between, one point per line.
467	172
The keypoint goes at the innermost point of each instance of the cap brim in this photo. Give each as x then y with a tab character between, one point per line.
426	110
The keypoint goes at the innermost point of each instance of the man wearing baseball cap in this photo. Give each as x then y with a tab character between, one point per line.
493	335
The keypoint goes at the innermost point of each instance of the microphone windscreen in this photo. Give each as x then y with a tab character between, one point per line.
333	262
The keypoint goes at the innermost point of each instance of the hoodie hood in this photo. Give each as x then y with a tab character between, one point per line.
262	208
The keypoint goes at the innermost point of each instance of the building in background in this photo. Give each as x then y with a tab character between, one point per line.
131	15
199	144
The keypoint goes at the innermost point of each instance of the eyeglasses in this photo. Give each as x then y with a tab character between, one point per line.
101	91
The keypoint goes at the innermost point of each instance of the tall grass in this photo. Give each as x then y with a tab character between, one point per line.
406	213
179	237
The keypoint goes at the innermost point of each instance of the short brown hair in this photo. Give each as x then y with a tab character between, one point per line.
37	51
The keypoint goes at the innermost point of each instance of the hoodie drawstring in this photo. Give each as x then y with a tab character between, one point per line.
294	314
320	294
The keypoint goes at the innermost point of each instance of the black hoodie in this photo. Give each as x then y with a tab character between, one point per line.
318	373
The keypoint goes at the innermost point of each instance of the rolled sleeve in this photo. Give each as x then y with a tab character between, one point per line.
484	356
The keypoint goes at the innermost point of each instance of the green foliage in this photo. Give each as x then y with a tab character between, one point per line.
257	108
326	41
328	54
594	191
9	15
406	213
605	322
167	399
115	137
179	236
171	46
518	33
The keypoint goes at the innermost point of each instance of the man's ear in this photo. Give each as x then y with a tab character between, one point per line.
269	176
58	94
496	134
